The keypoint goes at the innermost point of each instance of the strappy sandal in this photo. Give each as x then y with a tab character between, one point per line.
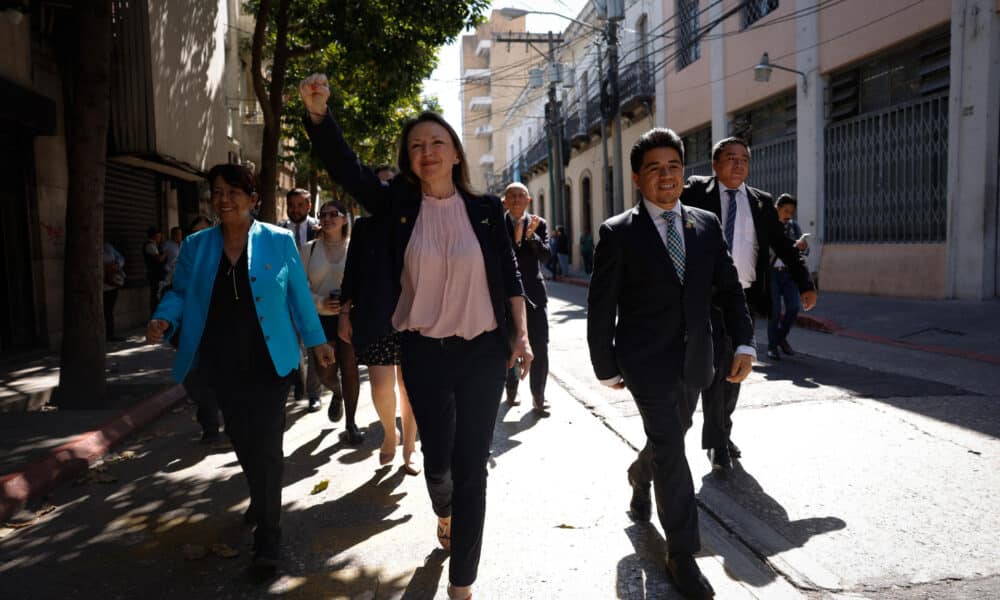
444	533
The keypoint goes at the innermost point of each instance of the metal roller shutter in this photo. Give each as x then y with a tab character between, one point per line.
132	201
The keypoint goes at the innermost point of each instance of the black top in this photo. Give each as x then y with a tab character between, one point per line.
530	253
232	344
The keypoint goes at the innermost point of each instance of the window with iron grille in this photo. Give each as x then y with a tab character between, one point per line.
698	151
689	47
766	122
755	10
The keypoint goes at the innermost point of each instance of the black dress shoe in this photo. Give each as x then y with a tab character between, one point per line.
641	506
336	409
786	347
538	404
688	579
315	405
721	459
772	353
354	435
512	397
734	450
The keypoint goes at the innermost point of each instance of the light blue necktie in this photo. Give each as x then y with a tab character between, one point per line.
731	219
674	244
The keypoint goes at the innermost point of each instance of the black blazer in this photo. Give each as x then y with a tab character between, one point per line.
368	284
703	192
398	204
642	323
530	253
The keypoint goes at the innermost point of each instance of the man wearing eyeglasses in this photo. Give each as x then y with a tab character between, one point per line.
303	226
751	226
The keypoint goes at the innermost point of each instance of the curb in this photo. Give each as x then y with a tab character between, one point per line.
39	477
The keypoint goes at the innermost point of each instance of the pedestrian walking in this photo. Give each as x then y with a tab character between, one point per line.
366	323
531	248
750	226
155	264
325	258
552	264
114	278
240	301
457	286
649	330
562	251
587	251
785	300
171	249
298	206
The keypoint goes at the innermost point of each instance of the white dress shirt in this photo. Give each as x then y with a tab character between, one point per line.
744	250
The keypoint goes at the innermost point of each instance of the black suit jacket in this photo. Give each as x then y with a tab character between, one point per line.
398	205
367	283
311	224
703	192
642	323
530	253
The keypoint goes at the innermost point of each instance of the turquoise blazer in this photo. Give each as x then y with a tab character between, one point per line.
281	295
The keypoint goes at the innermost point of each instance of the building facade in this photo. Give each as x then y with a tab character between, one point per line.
181	102
887	133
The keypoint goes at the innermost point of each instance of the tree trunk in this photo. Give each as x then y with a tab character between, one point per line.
82	361
271	97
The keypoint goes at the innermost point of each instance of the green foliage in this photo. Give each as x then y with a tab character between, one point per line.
375	53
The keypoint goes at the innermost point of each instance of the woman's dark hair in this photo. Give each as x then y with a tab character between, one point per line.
199	220
786	199
236	176
345	230
459	172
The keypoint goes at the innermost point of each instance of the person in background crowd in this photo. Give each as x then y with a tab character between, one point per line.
207	409
562	250
240	301
656	268
587	251
366	323
114	278
531	247
750	226
455	286
552	264
304	227
171	249
783	287
324	259
155	265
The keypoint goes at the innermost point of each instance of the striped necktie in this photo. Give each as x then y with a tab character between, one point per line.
731	219
675	247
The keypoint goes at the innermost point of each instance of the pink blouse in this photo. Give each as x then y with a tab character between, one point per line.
445	292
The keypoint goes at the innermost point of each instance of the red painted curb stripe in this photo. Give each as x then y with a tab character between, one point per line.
38	477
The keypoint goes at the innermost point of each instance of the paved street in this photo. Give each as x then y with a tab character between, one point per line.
869	471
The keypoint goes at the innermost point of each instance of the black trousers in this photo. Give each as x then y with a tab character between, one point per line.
718	401
203	395
254	413
454	387
666	417
538	337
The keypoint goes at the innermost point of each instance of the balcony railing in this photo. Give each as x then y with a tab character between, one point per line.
636	87
484	131
480	103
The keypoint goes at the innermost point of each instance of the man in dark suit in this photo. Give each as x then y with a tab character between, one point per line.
531	246
649	329
303	226
751	226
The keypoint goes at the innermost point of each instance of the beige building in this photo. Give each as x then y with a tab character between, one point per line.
888	133
180	103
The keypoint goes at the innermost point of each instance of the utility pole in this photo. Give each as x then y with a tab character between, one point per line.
609	202
553	119
619	175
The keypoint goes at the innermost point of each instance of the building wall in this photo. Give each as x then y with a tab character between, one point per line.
188	43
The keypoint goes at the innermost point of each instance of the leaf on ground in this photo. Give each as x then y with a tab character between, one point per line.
321	486
21	524
123	456
224	551
45	509
565	526
194	552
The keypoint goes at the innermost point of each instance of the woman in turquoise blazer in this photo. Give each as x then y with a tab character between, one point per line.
240	301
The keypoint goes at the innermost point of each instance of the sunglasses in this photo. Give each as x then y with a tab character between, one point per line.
331	214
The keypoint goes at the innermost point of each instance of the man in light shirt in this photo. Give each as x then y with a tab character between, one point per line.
649	330
750	225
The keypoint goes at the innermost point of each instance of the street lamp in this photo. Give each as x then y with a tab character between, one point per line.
762	72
